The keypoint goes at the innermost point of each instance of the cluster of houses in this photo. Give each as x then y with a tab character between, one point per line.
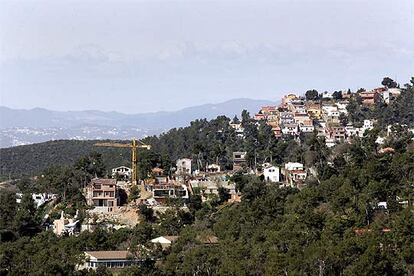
104	194
296	114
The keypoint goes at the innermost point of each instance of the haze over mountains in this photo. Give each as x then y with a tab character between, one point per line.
20	127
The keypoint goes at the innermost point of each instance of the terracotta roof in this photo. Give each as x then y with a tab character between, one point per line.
104	181
109	255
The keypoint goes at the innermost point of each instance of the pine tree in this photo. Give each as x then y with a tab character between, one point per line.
25	222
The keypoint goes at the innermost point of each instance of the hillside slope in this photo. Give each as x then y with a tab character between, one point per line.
32	159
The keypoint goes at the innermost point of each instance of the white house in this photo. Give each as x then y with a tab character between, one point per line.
307	127
382	205
238	129
330	142
380	140
351	131
290	129
39	199
213	168
294	173
342	107
386	96
109	259
122	171
368	125
165	241
183	166
327	95
291	166
271	173
329	108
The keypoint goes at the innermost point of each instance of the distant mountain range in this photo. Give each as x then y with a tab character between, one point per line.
19	127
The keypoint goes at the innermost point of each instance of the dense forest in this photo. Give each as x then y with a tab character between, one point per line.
30	160
333	226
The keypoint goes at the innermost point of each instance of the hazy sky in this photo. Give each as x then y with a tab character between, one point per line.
140	56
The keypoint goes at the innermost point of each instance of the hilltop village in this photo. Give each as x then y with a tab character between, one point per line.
325	114
153	207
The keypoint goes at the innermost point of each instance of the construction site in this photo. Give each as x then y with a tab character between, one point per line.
114	201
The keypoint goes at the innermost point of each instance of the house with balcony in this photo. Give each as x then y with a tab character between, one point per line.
102	194
286	118
108	259
314	110
296	106
294	174
330	113
287	99
342	107
213	168
290	129
122	172
239	160
307	126
351	131
334	133
369	98
275	128
163	191
238	128
183	166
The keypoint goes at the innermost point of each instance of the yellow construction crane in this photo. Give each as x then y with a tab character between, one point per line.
135	144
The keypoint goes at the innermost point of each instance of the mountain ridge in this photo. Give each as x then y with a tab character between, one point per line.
27	126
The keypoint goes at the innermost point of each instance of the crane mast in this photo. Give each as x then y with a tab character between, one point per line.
134	154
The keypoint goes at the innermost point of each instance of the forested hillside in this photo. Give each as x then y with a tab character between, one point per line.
354	215
30	160
400	111
333	226
208	141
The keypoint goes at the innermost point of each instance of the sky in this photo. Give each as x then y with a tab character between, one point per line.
144	56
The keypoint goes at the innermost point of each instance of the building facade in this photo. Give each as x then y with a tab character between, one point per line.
271	173
108	259
183	166
102	194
